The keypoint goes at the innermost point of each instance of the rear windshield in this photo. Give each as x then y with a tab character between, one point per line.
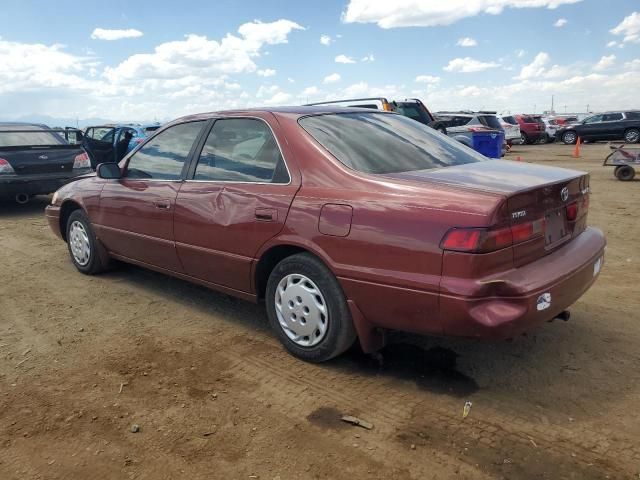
528	119
27	135
415	111
381	143
490	121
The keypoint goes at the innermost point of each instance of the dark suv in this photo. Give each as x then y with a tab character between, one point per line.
604	126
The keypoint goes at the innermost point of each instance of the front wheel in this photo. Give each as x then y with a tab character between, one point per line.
308	310
81	242
632	135
569	138
524	139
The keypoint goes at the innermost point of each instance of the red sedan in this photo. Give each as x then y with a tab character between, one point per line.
346	222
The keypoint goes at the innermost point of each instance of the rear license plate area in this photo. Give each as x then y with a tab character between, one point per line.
555	226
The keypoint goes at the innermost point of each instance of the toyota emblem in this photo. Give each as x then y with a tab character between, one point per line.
564	194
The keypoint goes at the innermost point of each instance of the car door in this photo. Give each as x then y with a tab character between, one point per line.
612	126
135	214
591	128
99	144
236	198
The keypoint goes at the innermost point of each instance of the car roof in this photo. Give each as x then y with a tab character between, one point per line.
7	125
300	111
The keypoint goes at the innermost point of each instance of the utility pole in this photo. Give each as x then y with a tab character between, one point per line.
552	104
587	108
565	109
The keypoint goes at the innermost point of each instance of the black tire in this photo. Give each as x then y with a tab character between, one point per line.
544	139
632	135
93	265
624	173
569	138
340	333
524	139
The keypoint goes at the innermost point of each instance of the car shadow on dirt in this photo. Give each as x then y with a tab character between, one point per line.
533	369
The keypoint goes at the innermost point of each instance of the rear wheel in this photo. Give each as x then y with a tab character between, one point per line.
524	139
308	310
624	173
81	242
569	138
632	135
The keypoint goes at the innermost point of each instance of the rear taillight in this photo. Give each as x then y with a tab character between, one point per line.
572	211
138	141
81	161
484	240
6	168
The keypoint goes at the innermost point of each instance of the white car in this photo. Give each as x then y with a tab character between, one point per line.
550	128
511	131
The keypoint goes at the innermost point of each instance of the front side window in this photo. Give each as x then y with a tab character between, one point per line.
381	143
241	150
163	157
594	119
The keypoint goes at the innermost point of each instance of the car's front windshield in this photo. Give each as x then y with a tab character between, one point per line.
382	143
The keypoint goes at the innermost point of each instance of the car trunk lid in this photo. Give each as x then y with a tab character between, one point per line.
544	206
37	160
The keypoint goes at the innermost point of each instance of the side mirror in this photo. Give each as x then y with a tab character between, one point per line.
108	171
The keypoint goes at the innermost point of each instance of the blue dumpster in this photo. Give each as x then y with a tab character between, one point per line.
488	143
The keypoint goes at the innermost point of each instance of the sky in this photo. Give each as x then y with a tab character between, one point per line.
142	61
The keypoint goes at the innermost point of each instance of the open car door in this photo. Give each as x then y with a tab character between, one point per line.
99	144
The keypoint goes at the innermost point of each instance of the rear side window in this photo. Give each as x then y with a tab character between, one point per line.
528	119
27	135
381	143
241	150
632	115
611	117
510	120
164	156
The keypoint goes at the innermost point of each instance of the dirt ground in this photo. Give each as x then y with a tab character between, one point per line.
83	359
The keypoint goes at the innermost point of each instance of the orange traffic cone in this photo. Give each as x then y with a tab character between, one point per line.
576	150
518	159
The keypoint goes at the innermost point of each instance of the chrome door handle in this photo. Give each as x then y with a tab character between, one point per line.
162	204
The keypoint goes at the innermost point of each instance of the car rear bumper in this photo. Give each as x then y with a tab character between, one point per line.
42	184
494	308
52	213
563	276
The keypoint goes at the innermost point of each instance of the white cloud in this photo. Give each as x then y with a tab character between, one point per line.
604	63
202	57
326	40
612	44
414	13
310	91
535	68
107	34
520	53
267	72
344	59
333	78
29	67
469	65
368	58
561	22
428	79
629	28
279	98
467	42
633	64
290	80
